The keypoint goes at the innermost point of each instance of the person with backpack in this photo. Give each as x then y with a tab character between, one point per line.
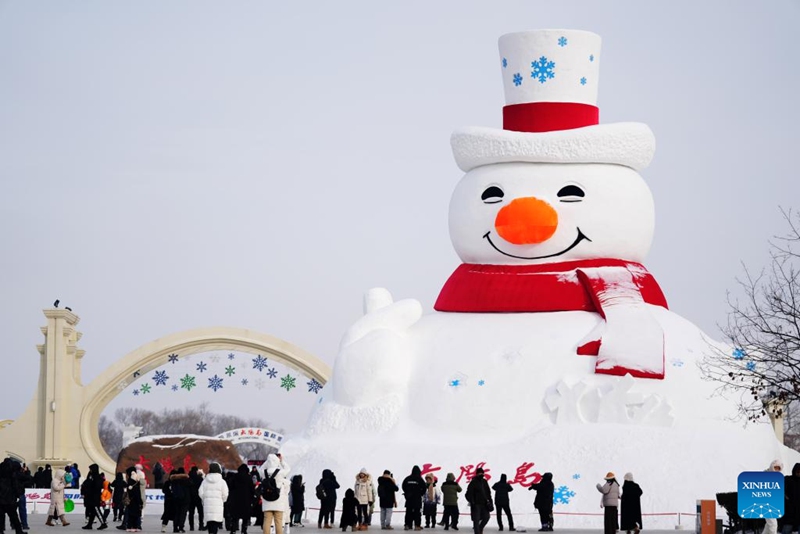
298	493
326	493
501	502
387	500
450	491
479	497
274	493
544	501
214	492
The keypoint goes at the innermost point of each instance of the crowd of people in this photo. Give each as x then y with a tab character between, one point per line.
229	501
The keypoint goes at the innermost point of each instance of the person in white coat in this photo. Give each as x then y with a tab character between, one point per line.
610	502
274	511
771	525
213	492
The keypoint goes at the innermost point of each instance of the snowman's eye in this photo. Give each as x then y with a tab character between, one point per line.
571	193
492	195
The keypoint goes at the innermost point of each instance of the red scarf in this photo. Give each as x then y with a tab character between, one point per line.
538	288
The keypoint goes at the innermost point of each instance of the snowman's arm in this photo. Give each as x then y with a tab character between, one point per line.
632	341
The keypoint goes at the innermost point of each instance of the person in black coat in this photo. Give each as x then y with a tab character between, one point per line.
10	491
630	505
349	515
328	504
544	501
501	503
158	475
479	497
117	496
413	490
169	503
90	489
241	499
387	497
298	492
195	502
181	497
791	484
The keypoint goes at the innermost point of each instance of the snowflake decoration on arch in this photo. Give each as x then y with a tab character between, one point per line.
259	363
272	373
160	378
244	381
288	382
174	387
562	41
214	358
215	383
314	385
173	358
562	495
231	356
259	383
146	388
135	392
543	69
202	366
230	370
188	382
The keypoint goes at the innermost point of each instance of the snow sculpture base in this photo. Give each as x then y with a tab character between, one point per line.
456	389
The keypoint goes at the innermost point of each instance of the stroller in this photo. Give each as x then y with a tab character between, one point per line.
730	502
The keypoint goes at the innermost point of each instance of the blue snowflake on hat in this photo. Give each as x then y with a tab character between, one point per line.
543	69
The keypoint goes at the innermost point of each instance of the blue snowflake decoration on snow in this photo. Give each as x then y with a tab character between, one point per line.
135	392
272	373
751	366
543	69
591	57
202	366
481	382
583	80
244	381
160	378
231	356
259	363
562	495
455	383
576	476
173	358
314	386
517	79
738	354
505	63
562	41
174	387
215	383
676	362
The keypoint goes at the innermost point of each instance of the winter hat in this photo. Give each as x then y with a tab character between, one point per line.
387	472
774	464
610	476
214	468
451	477
363	471
629	477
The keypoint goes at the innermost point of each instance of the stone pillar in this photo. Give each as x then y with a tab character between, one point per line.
59	388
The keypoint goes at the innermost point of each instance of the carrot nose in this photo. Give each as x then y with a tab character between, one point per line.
526	221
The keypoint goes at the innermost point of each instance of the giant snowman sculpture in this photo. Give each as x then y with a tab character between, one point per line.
551	348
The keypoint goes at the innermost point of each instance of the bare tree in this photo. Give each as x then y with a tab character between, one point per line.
764	329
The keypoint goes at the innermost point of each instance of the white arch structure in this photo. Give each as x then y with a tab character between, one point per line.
60	424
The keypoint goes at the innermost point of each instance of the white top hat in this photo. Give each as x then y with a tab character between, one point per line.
550	79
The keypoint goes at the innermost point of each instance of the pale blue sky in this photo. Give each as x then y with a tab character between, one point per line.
171	165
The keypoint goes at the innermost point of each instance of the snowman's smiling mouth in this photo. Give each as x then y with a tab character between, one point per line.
574	244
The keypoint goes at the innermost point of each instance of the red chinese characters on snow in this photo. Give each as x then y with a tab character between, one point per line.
522	476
